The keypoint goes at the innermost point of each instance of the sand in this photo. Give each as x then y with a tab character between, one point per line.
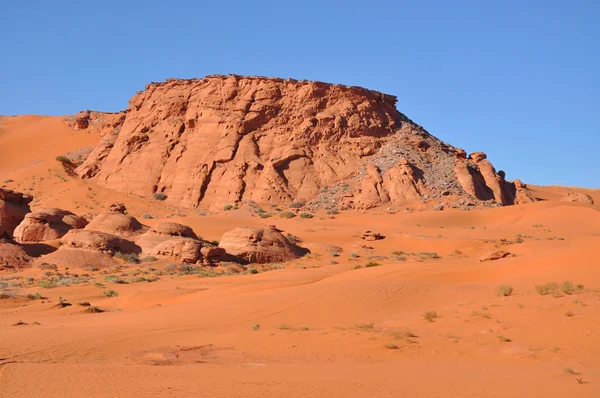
321	326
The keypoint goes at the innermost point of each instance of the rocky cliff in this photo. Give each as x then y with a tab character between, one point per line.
229	139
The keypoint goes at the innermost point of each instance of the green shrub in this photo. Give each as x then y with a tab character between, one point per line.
306	215
127	257
252	271
110	293
287	214
296	205
147	216
504	290
429	316
228	207
372	264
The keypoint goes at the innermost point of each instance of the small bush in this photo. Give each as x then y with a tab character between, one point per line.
148	259
548	288
353	255
391	346
252	271
110	293
159	196
570	371
228	207
306	215
256	326
94	310
36	296
567	287
504	290
504	339
45	265
287	214
297	205
127	257
430	316
63	159
147	216
372	264
264	215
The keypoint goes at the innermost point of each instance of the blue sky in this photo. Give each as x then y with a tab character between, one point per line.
519	80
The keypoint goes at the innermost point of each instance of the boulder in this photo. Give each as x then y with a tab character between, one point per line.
97	241
260	245
47	224
13	208
117	208
496	255
116	224
578	197
477	156
212	252
162	232
185	250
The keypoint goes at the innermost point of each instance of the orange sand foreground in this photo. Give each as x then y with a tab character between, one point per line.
321	326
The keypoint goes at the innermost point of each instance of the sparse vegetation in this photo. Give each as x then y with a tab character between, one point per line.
372	264
147	216
297	205
252	271
567	287
430	316
391	346
256	326
504	290
228	207
36	296
110	293
365	326
570	371
127	257
504	339
306	215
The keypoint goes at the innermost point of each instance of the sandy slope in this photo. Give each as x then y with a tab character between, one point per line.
325	329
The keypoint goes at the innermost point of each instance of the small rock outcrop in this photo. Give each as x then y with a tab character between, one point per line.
497	255
47	224
371	236
13	208
260	245
13	256
578	197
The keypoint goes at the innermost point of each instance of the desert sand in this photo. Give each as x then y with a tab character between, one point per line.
424	319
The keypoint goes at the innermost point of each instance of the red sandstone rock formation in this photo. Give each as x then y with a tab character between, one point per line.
228	139
13	208
578	197
260	245
47	224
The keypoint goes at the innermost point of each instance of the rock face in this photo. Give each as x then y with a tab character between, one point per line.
186	250
578	197
228	139
259	245
47	224
13	208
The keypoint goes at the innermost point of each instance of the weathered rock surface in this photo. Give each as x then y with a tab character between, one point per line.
13	256
259	245
578	197
185	250
228	139
47	224
13	208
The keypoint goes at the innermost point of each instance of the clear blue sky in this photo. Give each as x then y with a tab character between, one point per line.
519	80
